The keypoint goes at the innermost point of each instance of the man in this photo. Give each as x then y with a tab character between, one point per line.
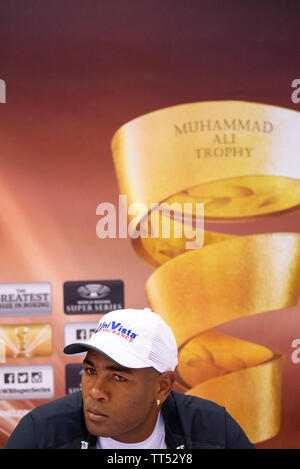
127	399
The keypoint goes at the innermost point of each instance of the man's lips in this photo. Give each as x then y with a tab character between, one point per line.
95	415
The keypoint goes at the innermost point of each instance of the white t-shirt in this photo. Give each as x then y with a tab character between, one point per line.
155	441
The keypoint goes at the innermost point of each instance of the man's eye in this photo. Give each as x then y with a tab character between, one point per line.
89	371
119	378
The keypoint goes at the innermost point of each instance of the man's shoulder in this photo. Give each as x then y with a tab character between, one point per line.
195	415
205	422
68	405
196	404
54	424
60	421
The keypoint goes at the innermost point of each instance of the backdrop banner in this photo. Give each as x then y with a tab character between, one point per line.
150	158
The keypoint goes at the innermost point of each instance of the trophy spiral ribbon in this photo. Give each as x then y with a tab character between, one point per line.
241	160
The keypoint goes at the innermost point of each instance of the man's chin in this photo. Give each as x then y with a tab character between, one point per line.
99	430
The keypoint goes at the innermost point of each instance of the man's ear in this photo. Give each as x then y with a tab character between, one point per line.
165	383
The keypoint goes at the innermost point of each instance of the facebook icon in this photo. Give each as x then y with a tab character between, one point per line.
81	334
9	378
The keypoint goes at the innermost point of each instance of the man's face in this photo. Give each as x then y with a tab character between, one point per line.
119	402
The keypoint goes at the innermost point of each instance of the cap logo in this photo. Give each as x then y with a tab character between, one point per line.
118	329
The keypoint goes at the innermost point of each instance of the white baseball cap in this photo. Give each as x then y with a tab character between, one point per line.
134	338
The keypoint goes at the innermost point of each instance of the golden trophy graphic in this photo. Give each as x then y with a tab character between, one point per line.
2	351
26	340
241	160
22	336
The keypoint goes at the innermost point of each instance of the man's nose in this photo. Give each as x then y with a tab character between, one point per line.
99	389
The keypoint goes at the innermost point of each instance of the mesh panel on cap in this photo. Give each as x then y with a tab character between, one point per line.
160	353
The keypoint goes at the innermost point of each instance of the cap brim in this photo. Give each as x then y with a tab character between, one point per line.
79	348
83	347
